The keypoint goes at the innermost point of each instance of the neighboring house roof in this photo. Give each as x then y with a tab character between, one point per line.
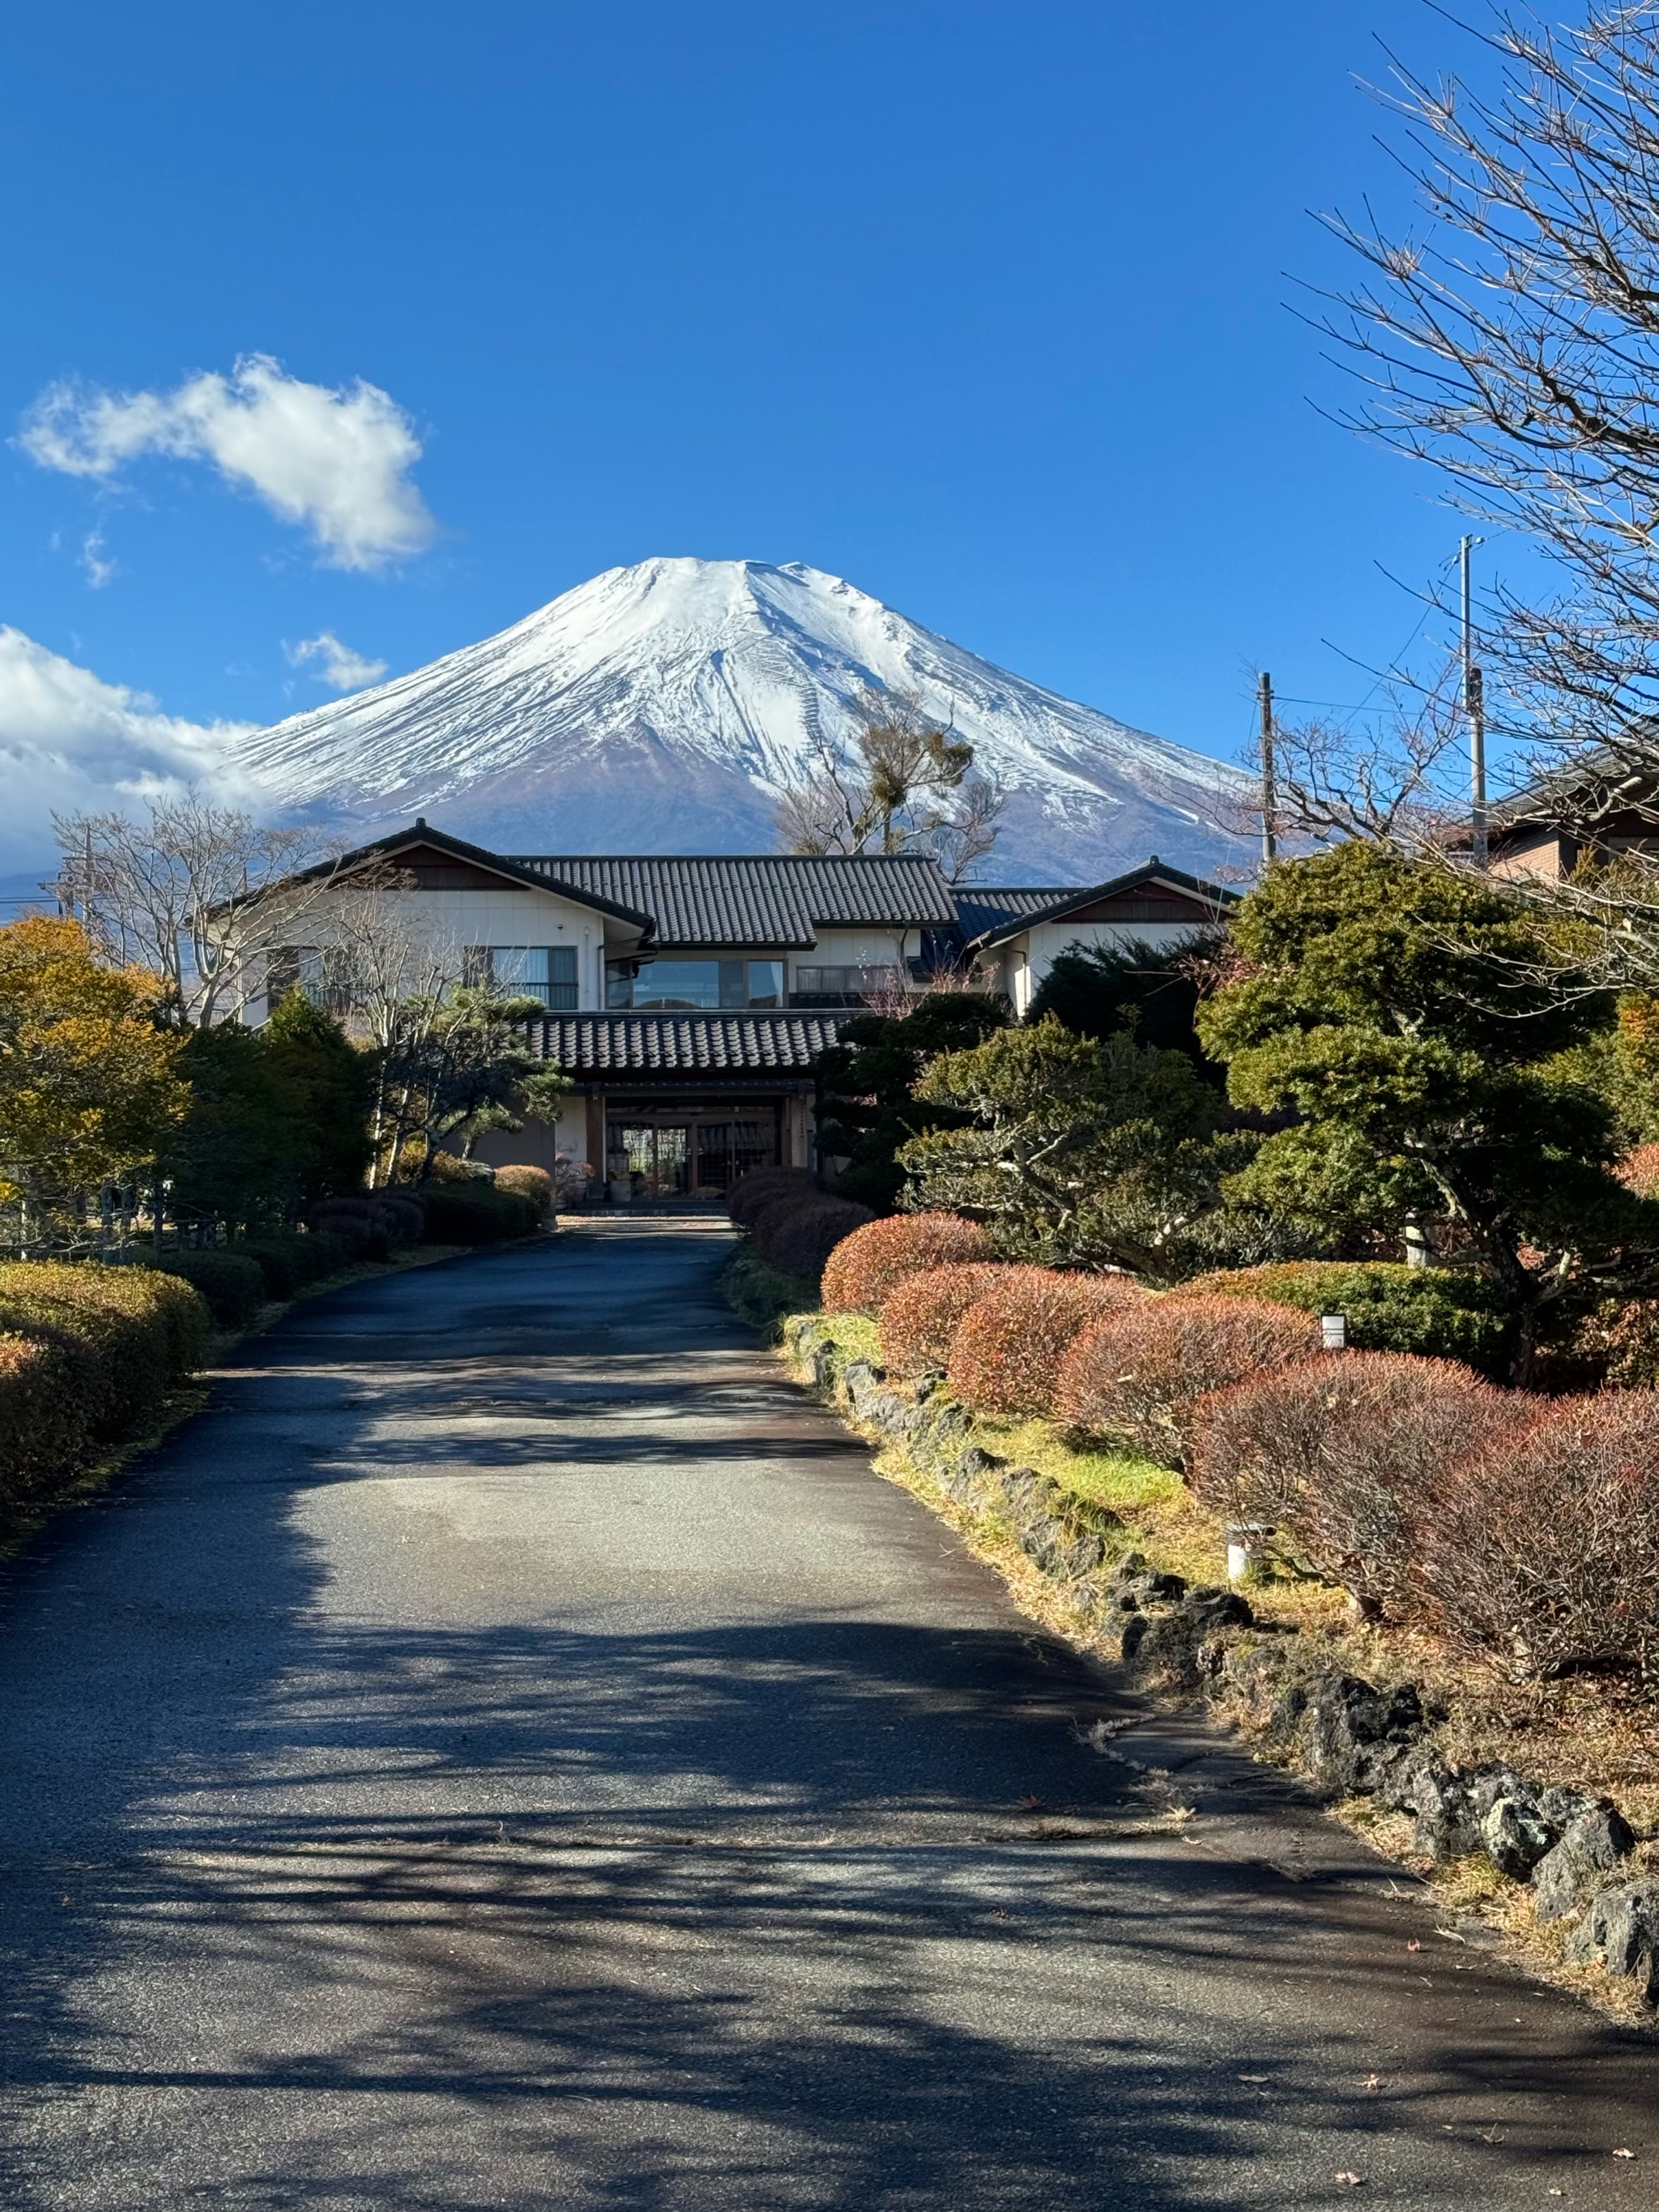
980	909
770	900
1140	887
674	1044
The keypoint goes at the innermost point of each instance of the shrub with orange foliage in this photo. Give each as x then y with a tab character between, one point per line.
1639	1170
1540	1553
874	1260
47	1392
796	1233
1138	1372
920	1320
1343	1454
762	1186
1007	1355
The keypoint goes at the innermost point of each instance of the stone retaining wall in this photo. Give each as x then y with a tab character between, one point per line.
1347	1736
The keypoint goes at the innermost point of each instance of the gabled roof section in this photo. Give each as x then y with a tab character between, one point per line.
400	844
764	899
683	1044
980	909
1152	877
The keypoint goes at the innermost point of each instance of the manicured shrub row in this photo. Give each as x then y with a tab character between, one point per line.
1439	1313
232	1285
1137	1373
477	1212
761	1187
921	1318
1006	1353
1524	1529
796	1232
869	1266
292	1263
87	1354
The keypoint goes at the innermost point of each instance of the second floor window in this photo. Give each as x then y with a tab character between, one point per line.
547	972
674	986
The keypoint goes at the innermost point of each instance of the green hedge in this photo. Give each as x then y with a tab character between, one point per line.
234	1286
476	1213
87	1354
1440	1313
290	1263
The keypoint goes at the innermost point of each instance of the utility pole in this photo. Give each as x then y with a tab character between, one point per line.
1475	706
1269	798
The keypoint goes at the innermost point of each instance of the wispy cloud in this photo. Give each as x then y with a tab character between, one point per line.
341	669
67	739
99	571
336	461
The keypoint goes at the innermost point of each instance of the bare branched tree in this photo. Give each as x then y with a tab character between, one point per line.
908	788
199	893
1515	343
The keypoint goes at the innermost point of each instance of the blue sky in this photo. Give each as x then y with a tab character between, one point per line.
981	305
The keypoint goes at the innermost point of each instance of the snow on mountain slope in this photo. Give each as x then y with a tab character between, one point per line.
660	707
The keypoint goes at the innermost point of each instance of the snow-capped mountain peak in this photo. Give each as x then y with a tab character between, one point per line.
663	706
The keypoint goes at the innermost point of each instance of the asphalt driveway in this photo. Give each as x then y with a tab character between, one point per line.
512	1751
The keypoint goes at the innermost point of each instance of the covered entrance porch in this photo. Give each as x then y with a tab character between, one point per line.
659	1151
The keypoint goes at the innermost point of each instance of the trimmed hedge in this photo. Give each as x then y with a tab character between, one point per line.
1137	1373
232	1285
1436	1313
46	1385
1007	1355
796	1234
868	1266
761	1187
533	1184
290	1263
920	1320
476	1213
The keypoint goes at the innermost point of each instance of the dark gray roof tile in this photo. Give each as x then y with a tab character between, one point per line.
761	900
664	1044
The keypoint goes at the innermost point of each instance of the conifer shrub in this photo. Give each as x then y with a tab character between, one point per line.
868	1266
1541	1554
1007	1355
533	1184
796	1234
48	1386
1137	1372
1439	1313
762	1187
1343	1455
919	1320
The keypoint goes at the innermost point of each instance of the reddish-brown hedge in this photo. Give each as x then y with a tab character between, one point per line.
920	1319
1006	1356
872	1263
530	1182
1540	1553
796	1235
762	1186
1138	1372
1639	1170
1343	1455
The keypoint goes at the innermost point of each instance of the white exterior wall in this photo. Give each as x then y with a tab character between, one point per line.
858	948
1029	957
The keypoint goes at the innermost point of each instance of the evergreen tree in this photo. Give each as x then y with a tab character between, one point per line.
867	1107
326	1085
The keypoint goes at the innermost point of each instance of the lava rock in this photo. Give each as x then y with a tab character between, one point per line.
1164	1649
1514	1834
1621	1930
1151	1588
1209	1610
1591	1848
1350	1727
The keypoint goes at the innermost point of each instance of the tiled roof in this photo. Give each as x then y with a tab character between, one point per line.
766	900
980	909
666	1044
1057	905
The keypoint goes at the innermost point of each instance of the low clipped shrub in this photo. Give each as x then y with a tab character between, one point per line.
1541	1554
372	1222
403	1214
135	1336
533	1184
868	1266
796	1233
762	1187
1439	1313
1629	1345
477	1212
1639	1170
920	1320
1006	1354
47	1384
1344	1454
232	1284
1137	1372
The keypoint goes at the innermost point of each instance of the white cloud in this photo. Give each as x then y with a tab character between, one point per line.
69	740
336	460
99	571
343	670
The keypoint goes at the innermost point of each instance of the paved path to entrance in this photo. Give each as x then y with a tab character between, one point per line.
511	1752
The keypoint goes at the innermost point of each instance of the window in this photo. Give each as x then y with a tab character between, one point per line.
547	972
674	986
845	982
323	972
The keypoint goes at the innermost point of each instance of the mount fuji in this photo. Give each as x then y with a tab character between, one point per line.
662	708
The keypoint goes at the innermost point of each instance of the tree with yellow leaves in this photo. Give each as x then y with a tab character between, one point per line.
89	1074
